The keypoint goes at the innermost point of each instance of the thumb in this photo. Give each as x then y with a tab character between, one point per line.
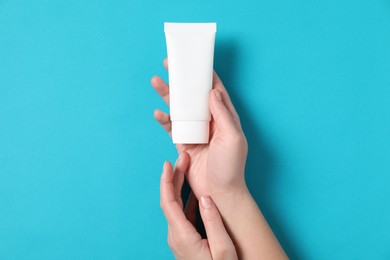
222	116
221	245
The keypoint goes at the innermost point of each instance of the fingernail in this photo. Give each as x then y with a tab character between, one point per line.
206	202
218	94
164	166
179	159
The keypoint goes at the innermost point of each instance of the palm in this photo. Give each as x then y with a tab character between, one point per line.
198	174
210	168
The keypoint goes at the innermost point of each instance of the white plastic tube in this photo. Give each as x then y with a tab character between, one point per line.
190	48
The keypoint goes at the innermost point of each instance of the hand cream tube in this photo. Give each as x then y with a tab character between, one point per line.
190	48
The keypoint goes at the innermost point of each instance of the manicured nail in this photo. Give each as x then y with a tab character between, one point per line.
206	202
218	94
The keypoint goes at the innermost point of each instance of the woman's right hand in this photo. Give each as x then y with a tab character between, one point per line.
216	168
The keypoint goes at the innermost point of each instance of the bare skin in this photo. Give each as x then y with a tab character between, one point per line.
216	170
184	240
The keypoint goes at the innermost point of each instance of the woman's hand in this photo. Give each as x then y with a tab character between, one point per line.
183	239
216	168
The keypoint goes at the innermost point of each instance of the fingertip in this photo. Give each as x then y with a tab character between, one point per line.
160	116
185	155
221	114
165	63
167	168
215	96
156	81
216	105
185	159
182	161
156	114
153	80
179	159
218	95
165	165
216	79
206	202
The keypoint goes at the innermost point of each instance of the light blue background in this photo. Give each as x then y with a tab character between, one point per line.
81	156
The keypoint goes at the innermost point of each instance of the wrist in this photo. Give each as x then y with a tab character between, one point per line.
244	222
229	202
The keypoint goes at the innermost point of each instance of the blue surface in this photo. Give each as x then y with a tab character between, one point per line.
81	156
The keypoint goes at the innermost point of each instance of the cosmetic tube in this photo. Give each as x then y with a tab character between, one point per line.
190	48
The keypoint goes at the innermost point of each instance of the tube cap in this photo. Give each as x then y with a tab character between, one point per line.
190	132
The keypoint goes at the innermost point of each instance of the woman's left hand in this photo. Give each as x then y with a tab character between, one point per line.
183	239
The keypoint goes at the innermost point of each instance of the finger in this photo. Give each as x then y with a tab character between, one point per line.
217	84
164	120
180	168
170	206
161	87
221	245
222	116
165	63
191	208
